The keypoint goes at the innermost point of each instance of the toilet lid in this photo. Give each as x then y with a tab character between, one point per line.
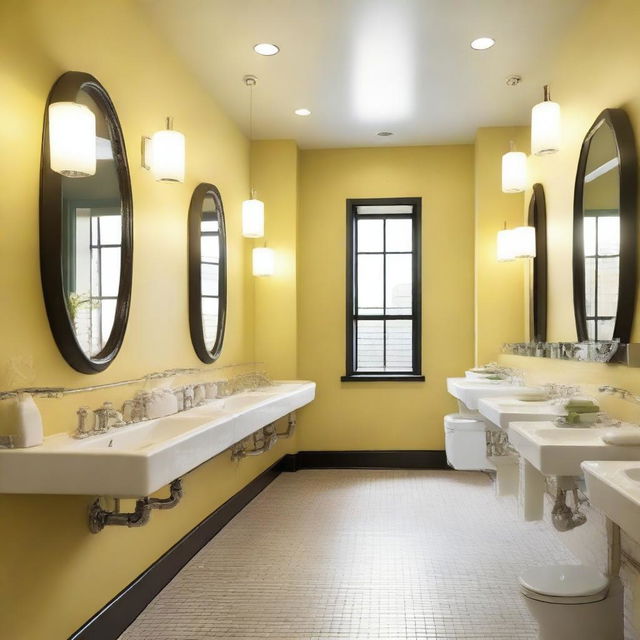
564	581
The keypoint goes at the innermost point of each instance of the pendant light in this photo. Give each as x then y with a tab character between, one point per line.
252	209
72	139
504	245
514	171
164	154
545	126
523	240
263	261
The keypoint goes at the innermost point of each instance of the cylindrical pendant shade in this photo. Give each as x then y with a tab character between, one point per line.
72	139
545	128
523	240
514	172
263	261
168	156
504	246
253	218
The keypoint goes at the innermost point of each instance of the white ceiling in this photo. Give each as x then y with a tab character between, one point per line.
364	66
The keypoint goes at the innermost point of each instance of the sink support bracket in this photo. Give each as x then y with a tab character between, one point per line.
99	518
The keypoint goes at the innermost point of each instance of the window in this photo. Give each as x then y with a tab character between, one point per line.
383	290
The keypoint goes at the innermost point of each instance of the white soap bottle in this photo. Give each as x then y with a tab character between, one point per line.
28	428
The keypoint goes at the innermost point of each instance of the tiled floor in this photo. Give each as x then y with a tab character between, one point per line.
360	554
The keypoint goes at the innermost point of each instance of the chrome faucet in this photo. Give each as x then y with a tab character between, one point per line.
107	417
86	422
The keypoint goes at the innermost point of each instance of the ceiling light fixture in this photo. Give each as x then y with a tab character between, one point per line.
302	112
545	126
252	209
482	44
266	49
384	134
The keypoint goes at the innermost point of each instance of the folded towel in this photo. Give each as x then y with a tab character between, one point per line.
580	402
622	436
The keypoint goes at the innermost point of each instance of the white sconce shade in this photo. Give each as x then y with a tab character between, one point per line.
523	240
504	246
514	172
545	126
263	261
72	139
167	156
253	218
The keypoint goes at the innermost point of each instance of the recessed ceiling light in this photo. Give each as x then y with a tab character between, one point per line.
266	49
302	112
384	134
480	44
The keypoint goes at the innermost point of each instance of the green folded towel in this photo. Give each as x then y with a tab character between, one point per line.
495	377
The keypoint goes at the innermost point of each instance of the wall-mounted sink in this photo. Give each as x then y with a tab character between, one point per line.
614	489
137	460
559	451
503	410
470	390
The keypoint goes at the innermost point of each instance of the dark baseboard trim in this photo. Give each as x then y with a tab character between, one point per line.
413	459
113	619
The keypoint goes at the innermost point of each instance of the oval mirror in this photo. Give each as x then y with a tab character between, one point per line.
604	230
86	223
207	272
538	276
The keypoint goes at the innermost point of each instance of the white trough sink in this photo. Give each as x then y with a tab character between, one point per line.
501	411
137	460
470	390
559	451
614	489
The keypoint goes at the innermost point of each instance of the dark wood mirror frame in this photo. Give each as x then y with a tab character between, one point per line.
618	121
66	88
538	282
195	274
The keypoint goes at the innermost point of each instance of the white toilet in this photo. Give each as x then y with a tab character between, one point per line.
466	443
574	602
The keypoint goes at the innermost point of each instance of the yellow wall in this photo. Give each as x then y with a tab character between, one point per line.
499	314
383	415
54	574
275	178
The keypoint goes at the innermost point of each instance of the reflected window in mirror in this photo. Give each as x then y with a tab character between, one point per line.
86	236
207	272
605	224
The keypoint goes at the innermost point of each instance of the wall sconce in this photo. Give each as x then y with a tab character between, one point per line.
164	154
263	261
514	171
253	209
524	242
545	126
504	245
72	139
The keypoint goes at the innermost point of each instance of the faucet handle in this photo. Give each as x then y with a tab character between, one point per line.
86	422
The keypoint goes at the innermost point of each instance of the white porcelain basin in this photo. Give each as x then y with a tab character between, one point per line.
470	390
614	489
503	410
559	451
136	460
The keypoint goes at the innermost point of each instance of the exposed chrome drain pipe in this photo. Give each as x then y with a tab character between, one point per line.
262	440
563	517
99	518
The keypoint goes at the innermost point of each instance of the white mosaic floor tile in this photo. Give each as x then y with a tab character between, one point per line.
356	554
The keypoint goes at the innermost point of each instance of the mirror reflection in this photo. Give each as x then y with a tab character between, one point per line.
601	229
92	220
210	270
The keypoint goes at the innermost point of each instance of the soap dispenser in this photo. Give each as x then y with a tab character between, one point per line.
27	421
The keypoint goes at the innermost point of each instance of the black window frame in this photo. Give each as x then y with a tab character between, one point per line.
415	375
